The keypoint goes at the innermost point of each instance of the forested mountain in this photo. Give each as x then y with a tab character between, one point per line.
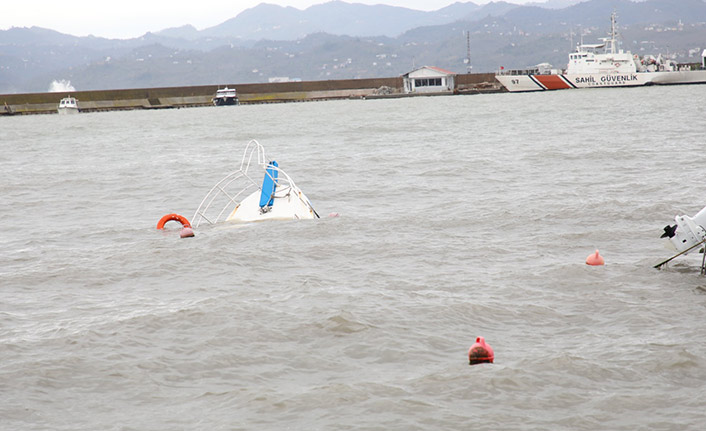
338	40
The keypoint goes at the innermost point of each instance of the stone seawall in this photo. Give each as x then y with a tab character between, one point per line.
181	97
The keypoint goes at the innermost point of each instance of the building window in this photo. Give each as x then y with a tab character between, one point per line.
427	82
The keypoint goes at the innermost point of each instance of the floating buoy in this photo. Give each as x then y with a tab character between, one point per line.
333	214
186	232
595	259
176	217
480	353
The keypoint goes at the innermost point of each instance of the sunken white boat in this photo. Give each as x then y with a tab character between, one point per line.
686	235
259	190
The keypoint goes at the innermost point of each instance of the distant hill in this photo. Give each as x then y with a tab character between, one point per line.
338	40
272	22
555	4
595	12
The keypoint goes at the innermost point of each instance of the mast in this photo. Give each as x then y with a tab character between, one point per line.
613	31
468	51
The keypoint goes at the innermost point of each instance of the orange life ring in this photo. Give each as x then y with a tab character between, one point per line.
176	217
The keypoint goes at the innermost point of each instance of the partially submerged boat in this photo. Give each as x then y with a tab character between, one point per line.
603	65
259	190
68	105
686	235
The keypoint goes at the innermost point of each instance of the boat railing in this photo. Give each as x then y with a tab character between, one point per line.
690	66
519	72
230	191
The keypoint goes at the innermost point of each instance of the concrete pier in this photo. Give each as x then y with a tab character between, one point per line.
183	97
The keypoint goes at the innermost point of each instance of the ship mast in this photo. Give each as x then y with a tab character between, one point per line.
468	51
613	32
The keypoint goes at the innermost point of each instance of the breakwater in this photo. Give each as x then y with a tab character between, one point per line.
193	96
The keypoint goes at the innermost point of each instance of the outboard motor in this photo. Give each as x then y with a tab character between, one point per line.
687	233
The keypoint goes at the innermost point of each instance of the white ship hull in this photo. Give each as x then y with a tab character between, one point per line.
67	111
516	83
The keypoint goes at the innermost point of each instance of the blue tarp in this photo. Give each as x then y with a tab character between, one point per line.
269	184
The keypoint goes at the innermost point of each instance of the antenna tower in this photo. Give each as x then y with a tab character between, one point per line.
468	51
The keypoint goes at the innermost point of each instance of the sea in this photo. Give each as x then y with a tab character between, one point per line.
443	219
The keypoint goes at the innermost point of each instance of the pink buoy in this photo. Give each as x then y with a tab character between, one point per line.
595	259
186	232
334	214
480	353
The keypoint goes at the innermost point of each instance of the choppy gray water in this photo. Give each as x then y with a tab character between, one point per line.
460	216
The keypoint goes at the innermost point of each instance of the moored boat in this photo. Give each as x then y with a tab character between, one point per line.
225	96
604	65
68	105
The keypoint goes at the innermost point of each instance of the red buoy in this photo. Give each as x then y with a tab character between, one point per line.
595	259
176	217
480	353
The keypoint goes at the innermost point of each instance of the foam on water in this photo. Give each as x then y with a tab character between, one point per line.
460	216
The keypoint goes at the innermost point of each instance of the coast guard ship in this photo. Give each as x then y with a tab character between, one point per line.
590	68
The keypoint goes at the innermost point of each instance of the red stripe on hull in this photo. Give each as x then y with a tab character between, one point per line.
552	82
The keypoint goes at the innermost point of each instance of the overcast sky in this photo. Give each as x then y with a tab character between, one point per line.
132	18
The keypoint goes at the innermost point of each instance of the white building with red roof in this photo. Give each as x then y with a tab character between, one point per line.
429	79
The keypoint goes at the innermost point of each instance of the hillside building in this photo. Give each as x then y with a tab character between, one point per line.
428	79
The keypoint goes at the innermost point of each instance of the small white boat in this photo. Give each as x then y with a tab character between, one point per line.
68	105
259	190
225	96
603	65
